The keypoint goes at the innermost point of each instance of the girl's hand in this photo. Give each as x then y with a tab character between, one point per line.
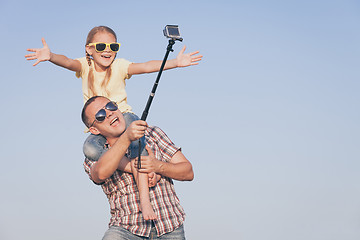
188	59
41	54
153	179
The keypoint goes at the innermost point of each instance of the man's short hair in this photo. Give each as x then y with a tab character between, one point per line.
85	118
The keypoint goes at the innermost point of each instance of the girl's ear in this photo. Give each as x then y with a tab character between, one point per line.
89	50
94	130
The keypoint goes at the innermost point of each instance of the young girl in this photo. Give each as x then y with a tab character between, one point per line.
103	75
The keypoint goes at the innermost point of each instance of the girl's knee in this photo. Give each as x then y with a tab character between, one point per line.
94	147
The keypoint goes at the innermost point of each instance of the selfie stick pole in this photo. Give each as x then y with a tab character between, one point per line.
152	94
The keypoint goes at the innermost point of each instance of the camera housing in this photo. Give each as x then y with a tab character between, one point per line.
172	31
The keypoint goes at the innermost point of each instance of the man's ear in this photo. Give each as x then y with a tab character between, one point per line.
94	130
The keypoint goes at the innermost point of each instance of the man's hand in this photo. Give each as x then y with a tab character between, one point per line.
136	130
178	168
40	54
148	163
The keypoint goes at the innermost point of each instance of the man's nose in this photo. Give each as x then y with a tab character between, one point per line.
109	113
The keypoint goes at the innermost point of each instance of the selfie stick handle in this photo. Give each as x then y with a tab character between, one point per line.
152	94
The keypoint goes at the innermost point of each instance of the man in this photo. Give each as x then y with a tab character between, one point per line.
113	171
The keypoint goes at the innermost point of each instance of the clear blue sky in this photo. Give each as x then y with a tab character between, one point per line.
269	118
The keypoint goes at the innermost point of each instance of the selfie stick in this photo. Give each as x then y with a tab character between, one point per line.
152	94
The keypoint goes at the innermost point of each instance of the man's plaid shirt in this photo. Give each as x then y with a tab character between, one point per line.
123	195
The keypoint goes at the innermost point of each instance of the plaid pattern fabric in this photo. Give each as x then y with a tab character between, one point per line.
124	199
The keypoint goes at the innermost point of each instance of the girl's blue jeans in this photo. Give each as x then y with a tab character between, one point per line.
94	145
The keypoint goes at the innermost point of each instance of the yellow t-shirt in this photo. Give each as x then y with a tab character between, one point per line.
115	89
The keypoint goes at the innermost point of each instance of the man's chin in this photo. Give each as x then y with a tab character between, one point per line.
121	132
118	130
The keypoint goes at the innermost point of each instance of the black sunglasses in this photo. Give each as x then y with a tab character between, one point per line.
101	114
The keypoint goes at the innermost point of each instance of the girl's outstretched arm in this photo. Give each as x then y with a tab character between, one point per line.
44	54
182	60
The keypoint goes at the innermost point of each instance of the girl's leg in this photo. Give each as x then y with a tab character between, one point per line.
94	147
140	178
143	187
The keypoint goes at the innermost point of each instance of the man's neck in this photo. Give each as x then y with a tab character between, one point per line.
112	141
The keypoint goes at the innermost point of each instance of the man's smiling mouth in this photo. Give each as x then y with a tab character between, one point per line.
114	121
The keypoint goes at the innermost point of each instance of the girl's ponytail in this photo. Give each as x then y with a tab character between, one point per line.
90	76
106	79
88	58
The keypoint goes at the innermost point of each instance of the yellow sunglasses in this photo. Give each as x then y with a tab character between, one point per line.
100	47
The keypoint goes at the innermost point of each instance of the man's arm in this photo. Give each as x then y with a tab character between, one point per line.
112	159
124	165
179	168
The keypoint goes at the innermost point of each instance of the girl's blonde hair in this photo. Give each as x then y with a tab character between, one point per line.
89	39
